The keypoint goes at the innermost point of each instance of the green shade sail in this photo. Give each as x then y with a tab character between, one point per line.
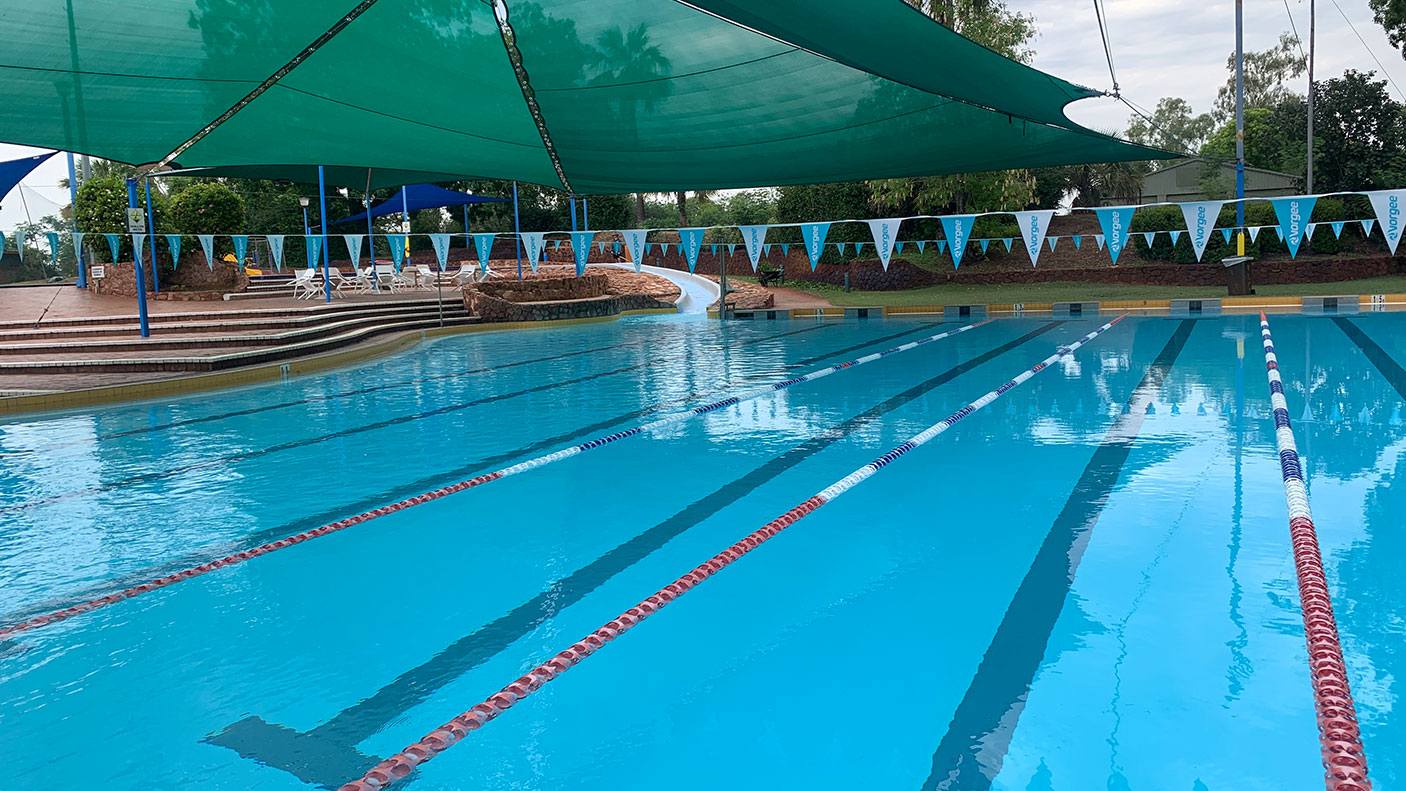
591	96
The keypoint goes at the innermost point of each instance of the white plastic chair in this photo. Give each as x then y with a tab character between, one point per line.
305	284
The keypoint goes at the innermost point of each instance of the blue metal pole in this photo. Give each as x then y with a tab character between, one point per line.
371	243
517	231
322	204
585	219
141	278
405	214
573	214
151	234
307	229
1240	125
73	201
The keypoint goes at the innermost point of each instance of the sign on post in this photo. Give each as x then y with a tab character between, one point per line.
136	221
97	272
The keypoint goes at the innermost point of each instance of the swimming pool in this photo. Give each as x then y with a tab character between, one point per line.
1087	584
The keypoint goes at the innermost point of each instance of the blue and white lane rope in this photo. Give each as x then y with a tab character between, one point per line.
746	395
400	765
1339	735
239	557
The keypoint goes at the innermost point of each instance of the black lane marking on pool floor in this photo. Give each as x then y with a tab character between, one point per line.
158	475
327	755
971	752
261	410
404	491
1388	367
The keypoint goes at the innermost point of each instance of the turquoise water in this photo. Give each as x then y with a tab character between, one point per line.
1052	595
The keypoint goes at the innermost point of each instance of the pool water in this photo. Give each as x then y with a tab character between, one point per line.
1088	584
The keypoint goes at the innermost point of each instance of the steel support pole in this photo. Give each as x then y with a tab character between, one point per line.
151	234
322	205
517	232
141	276
73	202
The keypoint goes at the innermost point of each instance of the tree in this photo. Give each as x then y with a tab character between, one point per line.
1267	77
1173	126
1359	134
1391	15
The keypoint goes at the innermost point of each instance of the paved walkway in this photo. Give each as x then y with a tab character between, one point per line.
795	298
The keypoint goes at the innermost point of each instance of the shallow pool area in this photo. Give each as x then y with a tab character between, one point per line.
1089	583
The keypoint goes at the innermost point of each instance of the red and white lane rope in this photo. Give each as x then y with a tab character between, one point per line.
318	532
445	736
1344	761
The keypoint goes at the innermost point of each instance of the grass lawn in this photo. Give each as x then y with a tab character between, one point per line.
1072	292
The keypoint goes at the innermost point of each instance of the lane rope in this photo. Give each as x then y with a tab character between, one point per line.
435	494
401	764
1344	760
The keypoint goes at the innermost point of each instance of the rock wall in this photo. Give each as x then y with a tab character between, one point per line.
545	289
492	309
192	281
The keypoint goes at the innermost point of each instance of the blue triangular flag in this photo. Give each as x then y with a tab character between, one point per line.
314	249
1367	226
857	247
714	249
351	240
1175	236
814	235
985	243
1147	237
276	249
840	246
1293	213
207	246
921	242
440	243
1050	240
690	244
138	247
941	245
173	243
1254	232
53	247
957	228
1098	239
19	245
241	246
581	249
1225	234
785	249
1008	240
112	243
1337	229
483	243
399	243
1078	240
898	247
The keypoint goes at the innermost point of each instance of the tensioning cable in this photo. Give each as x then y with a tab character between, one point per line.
445	736
1344	761
328	529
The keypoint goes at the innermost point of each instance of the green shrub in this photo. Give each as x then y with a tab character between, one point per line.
101	207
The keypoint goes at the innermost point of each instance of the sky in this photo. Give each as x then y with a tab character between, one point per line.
1160	48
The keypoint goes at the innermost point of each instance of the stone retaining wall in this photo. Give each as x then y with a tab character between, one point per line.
492	309
192	281
545	289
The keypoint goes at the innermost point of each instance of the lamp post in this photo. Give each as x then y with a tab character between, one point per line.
307	229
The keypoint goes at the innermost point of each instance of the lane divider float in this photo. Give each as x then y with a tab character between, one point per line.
445	736
454	488
1344	760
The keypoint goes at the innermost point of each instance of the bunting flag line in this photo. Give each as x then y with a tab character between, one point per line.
314	249
173	243
483	242
1293	213
276	249
690	243
532	240
1387	205
440	243
1200	219
1117	223
398	250
207	246
957	229
241	246
814	234
1034	225
351	240
635	245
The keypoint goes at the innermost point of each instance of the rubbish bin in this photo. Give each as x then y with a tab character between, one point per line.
1237	275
